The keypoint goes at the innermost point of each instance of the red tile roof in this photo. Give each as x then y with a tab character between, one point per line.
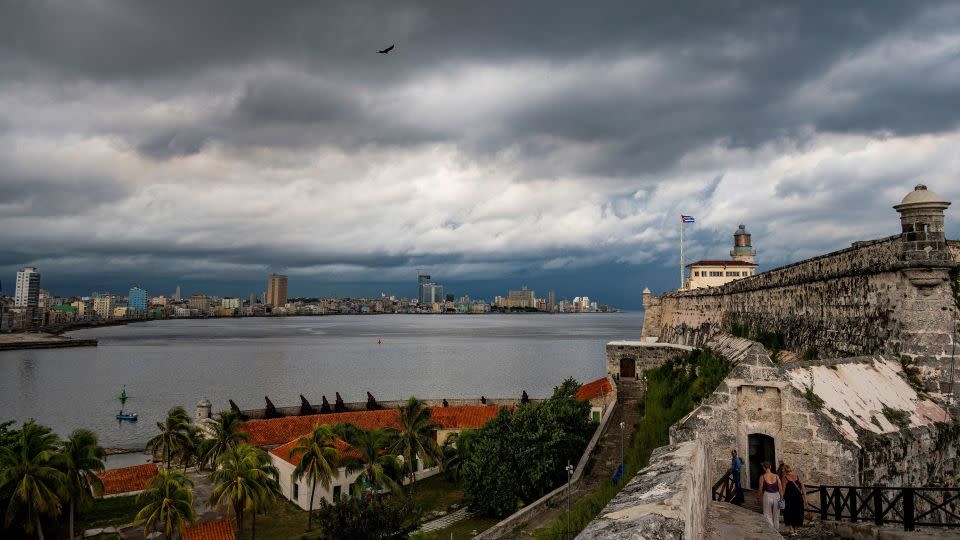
595	389
283	430
221	529
283	451
127	479
721	263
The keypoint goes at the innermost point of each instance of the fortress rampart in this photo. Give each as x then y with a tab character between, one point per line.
887	296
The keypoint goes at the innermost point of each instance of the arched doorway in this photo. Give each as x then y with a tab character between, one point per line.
628	368
760	448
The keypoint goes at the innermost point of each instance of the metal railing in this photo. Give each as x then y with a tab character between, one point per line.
909	506
881	505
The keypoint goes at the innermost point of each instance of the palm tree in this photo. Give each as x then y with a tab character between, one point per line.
456	452
243	479
377	468
29	475
167	503
416	437
319	461
81	459
174	434
227	432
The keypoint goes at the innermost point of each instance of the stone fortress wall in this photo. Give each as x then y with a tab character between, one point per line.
886	296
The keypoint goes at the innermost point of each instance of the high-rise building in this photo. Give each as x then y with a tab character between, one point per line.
176	295
429	292
27	294
277	290
524	298
200	303
103	305
253	299
551	301
137	299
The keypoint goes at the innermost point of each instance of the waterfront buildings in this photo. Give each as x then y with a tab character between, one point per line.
524	298
199	303
277	290
231	303
104	305
428	291
137	299
27	294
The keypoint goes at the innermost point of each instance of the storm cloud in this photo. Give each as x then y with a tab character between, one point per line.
500	142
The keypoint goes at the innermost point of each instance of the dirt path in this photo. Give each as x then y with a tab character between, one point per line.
606	454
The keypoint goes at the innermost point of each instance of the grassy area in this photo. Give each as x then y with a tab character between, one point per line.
458	531
673	390
285	521
437	493
109	512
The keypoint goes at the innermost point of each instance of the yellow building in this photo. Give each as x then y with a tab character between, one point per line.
277	290
716	273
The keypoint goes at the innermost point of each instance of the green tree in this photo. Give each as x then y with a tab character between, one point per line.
457	450
28	473
378	469
227	432
416	437
167	503
244	479
522	454
81	459
319	461
381	517
174	435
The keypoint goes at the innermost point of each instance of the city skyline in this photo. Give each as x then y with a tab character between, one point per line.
557	147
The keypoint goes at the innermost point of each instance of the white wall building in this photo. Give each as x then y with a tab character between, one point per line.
27	293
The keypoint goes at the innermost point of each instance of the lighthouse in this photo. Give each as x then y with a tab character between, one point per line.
742	249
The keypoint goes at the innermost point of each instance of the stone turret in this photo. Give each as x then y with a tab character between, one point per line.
921	222
204	408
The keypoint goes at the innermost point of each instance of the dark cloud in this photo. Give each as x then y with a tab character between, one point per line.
497	139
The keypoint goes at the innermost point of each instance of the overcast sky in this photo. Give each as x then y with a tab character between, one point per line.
552	144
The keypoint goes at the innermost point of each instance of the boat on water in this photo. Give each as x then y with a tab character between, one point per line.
131	417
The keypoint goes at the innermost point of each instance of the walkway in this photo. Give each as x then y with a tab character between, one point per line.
606	454
726	520
445	521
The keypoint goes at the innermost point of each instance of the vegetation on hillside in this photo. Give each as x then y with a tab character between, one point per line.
673	390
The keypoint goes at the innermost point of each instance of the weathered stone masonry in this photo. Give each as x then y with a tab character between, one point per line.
885	296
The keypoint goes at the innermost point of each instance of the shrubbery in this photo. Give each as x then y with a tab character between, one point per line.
521	454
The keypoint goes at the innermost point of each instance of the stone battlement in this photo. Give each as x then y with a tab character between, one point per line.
889	296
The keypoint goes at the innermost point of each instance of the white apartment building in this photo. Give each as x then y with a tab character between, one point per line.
28	288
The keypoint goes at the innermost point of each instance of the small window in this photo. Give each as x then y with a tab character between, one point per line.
596	416
925	227
337	493
296	491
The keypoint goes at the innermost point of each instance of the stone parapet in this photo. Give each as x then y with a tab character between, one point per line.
666	500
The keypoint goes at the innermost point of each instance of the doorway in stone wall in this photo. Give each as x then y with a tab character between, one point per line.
628	368
760	448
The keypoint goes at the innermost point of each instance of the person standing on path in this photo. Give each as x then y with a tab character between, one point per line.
736	463
769	493
795	497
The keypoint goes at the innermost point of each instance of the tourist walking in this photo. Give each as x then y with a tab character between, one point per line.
795	498
736	464
769	492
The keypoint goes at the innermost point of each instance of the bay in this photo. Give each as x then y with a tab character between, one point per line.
179	362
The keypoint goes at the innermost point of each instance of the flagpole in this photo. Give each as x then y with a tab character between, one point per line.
681	251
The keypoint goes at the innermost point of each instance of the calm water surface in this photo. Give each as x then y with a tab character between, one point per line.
178	362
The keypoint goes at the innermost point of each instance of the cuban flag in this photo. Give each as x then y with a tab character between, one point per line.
686	219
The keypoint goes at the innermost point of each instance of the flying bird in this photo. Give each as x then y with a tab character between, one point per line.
387	50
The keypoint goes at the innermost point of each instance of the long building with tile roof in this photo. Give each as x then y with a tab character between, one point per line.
127	480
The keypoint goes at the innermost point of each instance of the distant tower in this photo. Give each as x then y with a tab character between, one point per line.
277	290
921	221
27	293
176	294
742	249
203	409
